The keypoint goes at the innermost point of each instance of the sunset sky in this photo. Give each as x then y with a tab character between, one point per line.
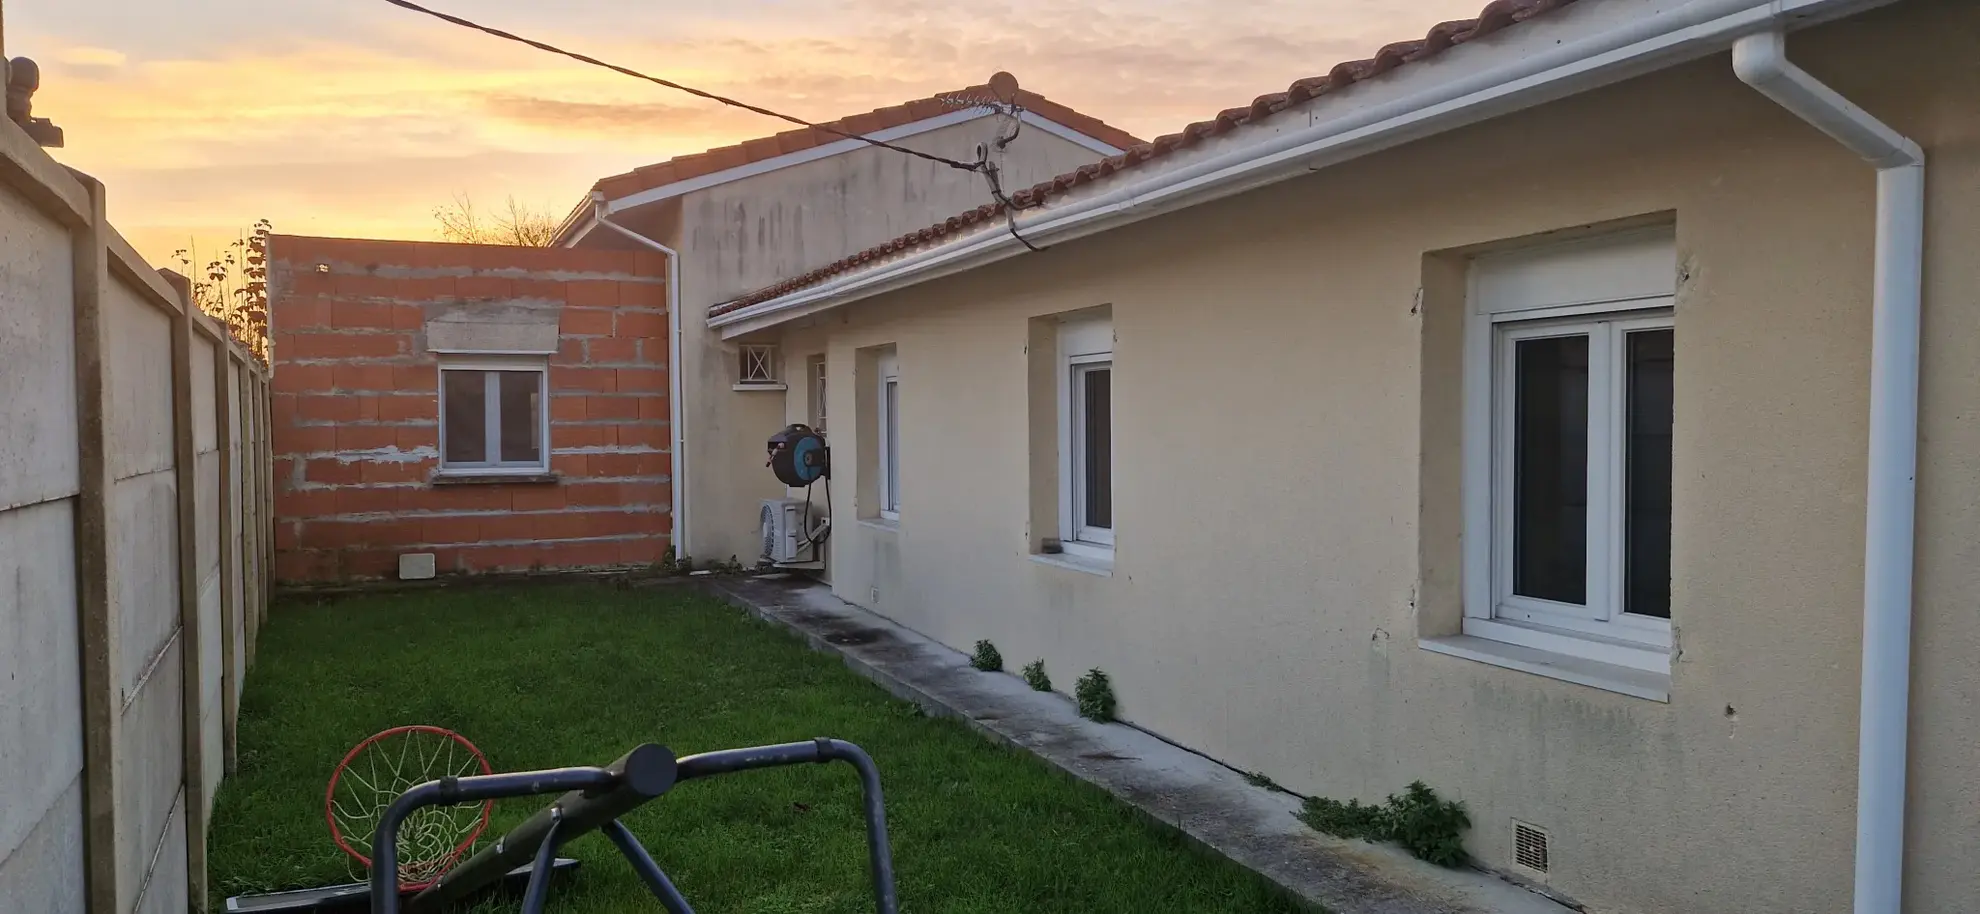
353	117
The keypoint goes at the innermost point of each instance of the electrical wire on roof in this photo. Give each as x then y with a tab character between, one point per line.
699	93
984	164
993	173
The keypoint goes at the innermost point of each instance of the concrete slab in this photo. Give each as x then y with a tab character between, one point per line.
1214	805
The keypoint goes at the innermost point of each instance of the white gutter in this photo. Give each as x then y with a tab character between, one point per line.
675	414
1891	501
1638	46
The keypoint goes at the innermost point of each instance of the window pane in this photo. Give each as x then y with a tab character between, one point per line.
1096	392
467	416
521	416
818	417
892	409
1550	469
1647	517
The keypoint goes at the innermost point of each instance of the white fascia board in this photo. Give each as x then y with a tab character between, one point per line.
827	150
1034	119
823	151
568	238
575	237
1586	46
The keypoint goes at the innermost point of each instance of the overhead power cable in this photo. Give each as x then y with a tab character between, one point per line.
699	93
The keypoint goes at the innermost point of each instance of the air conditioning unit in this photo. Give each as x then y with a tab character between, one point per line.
785	537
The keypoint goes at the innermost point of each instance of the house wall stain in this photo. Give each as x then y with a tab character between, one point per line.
1285	483
741	236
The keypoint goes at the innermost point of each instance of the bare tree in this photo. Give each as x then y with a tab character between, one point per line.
233	288
515	224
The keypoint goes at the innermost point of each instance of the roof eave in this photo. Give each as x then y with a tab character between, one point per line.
1597	45
701	182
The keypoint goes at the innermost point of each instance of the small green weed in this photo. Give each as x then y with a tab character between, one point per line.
986	658
1258	779
1095	694
1428	827
1034	676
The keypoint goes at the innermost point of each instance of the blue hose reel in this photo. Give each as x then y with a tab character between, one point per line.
799	456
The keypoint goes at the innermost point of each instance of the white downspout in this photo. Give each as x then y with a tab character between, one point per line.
1891	500
676	415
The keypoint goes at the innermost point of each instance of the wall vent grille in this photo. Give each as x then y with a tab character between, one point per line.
1530	849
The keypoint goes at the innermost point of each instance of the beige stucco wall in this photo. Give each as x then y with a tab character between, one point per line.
1284	420
738	237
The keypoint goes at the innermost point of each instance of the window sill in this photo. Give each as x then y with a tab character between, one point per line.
880	524
1097	567
494	479
1565	667
767	386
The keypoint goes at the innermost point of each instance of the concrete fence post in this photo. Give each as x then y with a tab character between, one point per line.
224	395
253	477
97	625
264	514
185	458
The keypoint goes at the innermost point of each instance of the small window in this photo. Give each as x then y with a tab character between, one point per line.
1086	408
758	364
1575	458
493	418
815	370
890	436
1093	452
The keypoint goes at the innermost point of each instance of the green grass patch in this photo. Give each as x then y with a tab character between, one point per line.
575	674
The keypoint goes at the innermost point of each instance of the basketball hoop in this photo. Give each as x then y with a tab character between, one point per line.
376	771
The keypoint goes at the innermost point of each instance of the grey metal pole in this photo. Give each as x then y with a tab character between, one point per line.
385	842
638	776
879	853
539	875
642	863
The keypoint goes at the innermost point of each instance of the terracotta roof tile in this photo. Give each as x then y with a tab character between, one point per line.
1495	16
762	148
682	168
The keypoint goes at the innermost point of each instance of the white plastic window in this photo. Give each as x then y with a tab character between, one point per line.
890	436
817	373
1569	403
758	364
1086	438
494	417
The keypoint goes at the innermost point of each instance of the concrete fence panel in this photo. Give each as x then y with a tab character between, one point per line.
41	725
133	506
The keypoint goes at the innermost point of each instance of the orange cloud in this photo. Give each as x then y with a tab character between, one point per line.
366	134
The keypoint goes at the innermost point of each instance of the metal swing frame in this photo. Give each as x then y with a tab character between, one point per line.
593	800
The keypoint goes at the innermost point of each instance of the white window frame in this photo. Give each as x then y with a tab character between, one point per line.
889	465
817	379
492	424
1604	290
756	365
1084	346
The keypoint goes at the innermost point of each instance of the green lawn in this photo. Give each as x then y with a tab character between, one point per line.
548	675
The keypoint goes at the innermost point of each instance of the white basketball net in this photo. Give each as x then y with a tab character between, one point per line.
433	838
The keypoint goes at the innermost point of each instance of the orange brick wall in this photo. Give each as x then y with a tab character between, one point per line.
356	410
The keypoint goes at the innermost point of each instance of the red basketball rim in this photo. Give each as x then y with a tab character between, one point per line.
446	862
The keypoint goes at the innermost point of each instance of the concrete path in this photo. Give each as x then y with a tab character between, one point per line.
1253	826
